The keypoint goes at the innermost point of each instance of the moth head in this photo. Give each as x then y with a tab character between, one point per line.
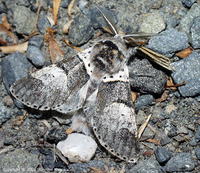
107	56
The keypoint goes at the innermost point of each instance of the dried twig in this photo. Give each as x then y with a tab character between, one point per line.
143	126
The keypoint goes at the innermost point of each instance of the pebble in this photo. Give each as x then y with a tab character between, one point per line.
188	3
162	155
197	152
150	166
195	36
187	20
37	41
78	147
24	20
188	70
20	160
143	100
14	67
197	135
180	162
145	78
43	23
55	135
152	23
166	44
81	30
165	141
35	55
182	130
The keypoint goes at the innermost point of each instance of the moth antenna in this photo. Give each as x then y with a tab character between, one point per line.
109	22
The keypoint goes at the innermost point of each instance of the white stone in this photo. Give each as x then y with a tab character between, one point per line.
78	147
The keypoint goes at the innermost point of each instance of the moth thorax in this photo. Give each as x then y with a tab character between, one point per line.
107	58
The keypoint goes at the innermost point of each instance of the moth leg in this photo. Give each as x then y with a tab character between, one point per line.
79	122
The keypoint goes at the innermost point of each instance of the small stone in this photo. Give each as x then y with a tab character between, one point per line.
150	166
195	36
143	100
19	160
165	141
145	78
188	3
64	3
81	30
152	23
193	142
140	117
197	135
24	19
197	152
2	137
35	55
180	162
162	154
78	147
55	135
37	41
3	8
179	138
187	20
43	23
182	130
187	70
166	44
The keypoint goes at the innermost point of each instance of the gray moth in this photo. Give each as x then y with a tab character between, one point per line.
93	86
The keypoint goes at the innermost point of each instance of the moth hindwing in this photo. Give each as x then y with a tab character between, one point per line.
93	85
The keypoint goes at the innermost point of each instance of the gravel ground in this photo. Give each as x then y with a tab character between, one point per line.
28	137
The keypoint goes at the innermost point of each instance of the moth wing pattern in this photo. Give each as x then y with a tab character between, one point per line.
113	119
54	86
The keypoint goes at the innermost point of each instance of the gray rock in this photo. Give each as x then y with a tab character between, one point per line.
195	34
143	100
188	70
197	152
152	23
37	41
186	22
55	135
64	3
23	3
24	19
19	160
162	154
145	78
150	166
35	55
3	8
165	141
197	135
43	23
81	30
188	3
180	162
166	44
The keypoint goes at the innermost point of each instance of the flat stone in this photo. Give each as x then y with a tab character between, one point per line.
182	130
187	20
197	135
150	166
145	78
143	100
188	70
188	3
166	44
180	162
152	23
197	152
20	160
162	154
35	55
43	23
24	19
195	34
78	147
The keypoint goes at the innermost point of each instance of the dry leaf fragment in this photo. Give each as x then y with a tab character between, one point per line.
155	141
133	95
19	47
185	53
66	27
5	23
148	153
70	7
56	5
74	47
163	97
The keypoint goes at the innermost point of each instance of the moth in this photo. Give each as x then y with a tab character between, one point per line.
94	86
